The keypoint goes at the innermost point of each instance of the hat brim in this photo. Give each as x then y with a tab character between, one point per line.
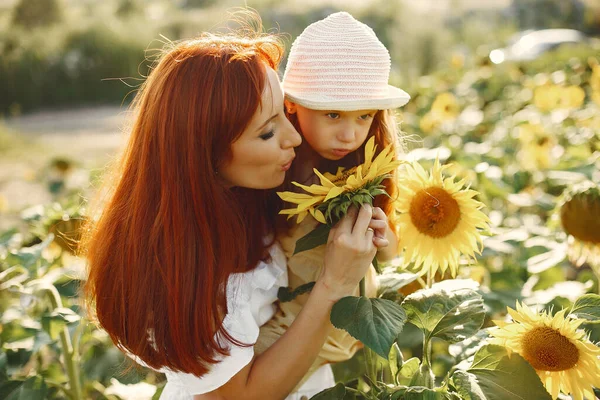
394	98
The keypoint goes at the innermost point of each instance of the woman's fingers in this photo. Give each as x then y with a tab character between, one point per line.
378	226
363	220
380	242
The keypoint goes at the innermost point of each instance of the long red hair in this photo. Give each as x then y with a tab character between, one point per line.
170	234
384	129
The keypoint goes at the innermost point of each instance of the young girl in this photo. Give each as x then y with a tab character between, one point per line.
183	268
337	97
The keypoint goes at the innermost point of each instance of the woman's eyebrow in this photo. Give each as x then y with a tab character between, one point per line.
267	121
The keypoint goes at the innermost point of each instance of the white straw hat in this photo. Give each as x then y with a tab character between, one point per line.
339	64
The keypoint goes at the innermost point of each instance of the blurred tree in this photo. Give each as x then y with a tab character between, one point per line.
37	13
127	8
196	3
540	14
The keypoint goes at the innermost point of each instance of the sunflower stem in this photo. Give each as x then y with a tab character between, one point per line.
362	287
429	279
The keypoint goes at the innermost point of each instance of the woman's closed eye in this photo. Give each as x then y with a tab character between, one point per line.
267	135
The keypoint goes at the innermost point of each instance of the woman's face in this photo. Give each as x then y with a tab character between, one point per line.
265	150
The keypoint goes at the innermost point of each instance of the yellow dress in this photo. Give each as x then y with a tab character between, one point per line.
302	268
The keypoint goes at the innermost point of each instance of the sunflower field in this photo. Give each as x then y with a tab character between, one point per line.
495	295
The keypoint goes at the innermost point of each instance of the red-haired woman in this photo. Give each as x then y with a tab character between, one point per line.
183	268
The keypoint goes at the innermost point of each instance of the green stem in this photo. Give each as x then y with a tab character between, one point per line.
362	288
426	351
71	359
429	279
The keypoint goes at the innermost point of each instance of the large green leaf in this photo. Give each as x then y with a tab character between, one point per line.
34	388
335	393
587	307
450	310
375	322
312	239
467	386
497	376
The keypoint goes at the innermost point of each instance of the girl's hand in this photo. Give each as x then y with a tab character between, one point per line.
350	250
379	224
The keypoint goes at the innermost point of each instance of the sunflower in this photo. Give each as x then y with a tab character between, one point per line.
445	107
563	357
536	147
596	97
439	219
344	181
580	219
595	78
547	97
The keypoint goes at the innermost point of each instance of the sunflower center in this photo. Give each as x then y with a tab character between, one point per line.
580	218
547	350
434	212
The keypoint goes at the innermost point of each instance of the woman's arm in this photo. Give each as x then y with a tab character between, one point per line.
275	373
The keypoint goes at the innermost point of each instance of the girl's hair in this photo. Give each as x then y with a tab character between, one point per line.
170	235
385	130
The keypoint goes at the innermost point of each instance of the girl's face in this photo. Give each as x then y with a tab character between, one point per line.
333	134
265	150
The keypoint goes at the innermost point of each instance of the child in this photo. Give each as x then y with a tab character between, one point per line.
337	97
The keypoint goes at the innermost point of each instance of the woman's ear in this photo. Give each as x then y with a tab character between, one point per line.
290	107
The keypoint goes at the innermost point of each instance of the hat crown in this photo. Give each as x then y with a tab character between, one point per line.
336	61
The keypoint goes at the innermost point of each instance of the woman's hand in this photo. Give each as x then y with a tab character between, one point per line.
350	250
379	224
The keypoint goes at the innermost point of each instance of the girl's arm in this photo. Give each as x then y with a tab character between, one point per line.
274	373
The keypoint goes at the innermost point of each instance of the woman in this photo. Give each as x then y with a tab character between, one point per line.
183	268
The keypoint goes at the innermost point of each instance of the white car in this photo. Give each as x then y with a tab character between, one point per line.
529	45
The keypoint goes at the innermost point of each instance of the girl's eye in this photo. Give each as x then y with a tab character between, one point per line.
333	115
366	117
267	135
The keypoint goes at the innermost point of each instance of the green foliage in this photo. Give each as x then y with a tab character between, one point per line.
37	13
375	322
452	314
587	307
496	376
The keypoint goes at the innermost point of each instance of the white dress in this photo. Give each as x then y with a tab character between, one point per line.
251	298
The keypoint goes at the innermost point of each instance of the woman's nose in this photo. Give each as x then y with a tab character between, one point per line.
293	138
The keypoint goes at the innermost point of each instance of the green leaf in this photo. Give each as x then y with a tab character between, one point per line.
419	393
335	393
467	386
28	256
284	294
375	322
54	322
3	366
410	367
587	307
500	377
449	310
468	347
34	388
312	239
396	361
